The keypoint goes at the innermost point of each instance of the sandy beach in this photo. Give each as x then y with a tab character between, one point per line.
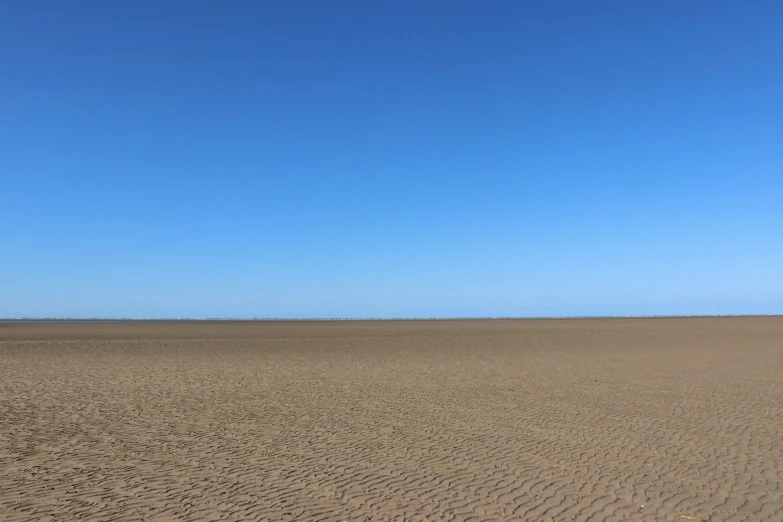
545	420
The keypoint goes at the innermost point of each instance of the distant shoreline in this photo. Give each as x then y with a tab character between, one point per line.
12	320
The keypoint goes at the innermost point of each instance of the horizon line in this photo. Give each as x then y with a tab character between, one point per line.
338	319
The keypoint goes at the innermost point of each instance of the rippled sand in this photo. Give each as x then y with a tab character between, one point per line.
610	419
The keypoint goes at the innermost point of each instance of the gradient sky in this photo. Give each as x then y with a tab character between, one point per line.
390	159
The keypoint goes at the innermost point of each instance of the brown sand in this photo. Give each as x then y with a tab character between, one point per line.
610	419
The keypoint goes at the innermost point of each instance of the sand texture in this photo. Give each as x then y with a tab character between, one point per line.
601	419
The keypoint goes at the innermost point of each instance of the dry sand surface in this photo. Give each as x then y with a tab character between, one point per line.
600	419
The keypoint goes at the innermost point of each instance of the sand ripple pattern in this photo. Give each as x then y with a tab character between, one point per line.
546	421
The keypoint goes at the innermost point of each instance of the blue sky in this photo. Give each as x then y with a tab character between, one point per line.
390	159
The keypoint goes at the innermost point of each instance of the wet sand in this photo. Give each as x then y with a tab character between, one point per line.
580	419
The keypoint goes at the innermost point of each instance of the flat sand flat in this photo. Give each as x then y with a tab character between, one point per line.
590	419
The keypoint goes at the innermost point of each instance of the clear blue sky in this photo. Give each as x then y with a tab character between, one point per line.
390	159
